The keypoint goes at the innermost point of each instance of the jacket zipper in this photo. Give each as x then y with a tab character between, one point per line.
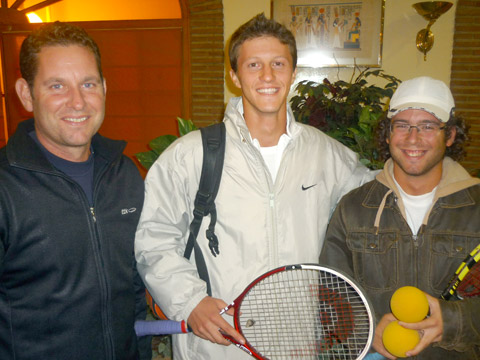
106	315
274	229
92	211
271	204
415	240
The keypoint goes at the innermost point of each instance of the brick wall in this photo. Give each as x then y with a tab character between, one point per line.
207	61
465	76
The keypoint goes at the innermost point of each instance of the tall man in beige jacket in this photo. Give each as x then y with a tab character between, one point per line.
280	183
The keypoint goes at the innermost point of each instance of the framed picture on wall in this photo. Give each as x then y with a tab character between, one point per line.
334	33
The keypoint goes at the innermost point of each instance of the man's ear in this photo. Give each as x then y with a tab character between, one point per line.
24	94
235	79
453	132
104	86
294	75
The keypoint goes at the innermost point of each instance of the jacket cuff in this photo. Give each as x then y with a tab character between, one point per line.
192	304
453	321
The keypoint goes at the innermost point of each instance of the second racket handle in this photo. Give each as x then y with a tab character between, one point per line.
160	327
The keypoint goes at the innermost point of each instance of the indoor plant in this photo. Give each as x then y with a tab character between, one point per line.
347	111
159	144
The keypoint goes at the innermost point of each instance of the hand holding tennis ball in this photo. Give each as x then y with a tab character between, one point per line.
398	340
409	304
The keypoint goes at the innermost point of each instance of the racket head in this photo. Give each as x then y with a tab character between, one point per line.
470	285
304	311
466	280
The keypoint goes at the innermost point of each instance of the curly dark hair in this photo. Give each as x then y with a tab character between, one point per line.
456	151
257	27
54	34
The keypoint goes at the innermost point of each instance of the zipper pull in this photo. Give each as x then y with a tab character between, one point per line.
272	200
416	240
92	211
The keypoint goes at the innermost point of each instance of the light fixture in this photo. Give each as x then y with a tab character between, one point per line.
431	11
10	16
34	18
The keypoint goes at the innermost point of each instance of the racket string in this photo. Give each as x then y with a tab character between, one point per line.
466	281
300	314
470	285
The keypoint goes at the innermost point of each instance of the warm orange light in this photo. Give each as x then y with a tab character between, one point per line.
34	18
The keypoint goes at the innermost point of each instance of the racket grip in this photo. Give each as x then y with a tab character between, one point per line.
161	327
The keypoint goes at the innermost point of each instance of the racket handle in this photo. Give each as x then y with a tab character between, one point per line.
374	356
161	327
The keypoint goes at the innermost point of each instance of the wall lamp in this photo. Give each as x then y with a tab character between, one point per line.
431	11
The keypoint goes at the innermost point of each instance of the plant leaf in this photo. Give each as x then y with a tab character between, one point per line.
159	144
147	158
185	126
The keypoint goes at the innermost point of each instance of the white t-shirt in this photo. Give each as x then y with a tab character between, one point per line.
416	206
272	155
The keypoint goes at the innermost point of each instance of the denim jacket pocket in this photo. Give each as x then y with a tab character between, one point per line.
375	262
448	250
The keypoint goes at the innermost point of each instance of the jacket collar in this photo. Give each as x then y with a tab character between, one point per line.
454	179
234	113
22	151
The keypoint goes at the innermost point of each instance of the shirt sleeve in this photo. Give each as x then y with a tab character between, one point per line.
161	236
335	251
461	324
348	172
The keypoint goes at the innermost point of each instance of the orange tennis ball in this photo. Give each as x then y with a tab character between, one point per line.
398	340
409	304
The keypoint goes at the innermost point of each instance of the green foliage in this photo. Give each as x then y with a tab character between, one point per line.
347	111
159	144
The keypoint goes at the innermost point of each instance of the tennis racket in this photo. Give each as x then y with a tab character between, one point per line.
303	311
466	281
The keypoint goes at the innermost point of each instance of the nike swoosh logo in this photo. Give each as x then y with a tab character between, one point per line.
308	187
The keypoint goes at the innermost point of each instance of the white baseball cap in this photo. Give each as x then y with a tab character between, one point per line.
423	93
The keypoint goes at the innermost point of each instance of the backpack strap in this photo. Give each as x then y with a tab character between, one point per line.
213	140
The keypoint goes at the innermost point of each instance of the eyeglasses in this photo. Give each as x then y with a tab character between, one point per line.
425	129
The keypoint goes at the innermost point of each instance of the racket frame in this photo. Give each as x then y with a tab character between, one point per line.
250	349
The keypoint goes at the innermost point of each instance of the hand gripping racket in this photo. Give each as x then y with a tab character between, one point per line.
466	281
302	311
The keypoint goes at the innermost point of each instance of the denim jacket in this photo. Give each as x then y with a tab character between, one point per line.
369	238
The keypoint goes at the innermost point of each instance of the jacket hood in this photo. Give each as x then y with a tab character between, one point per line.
454	178
22	151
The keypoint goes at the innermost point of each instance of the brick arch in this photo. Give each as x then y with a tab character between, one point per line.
204	80
465	74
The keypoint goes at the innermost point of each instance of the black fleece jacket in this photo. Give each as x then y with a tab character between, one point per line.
68	282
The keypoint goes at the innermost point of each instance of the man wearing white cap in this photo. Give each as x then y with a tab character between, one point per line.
415	223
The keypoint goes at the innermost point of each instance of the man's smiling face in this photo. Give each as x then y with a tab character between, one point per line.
264	74
67	99
418	156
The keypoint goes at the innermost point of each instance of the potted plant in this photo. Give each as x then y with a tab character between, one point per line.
347	111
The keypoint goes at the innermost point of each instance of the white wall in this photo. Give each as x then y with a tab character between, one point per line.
400	55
